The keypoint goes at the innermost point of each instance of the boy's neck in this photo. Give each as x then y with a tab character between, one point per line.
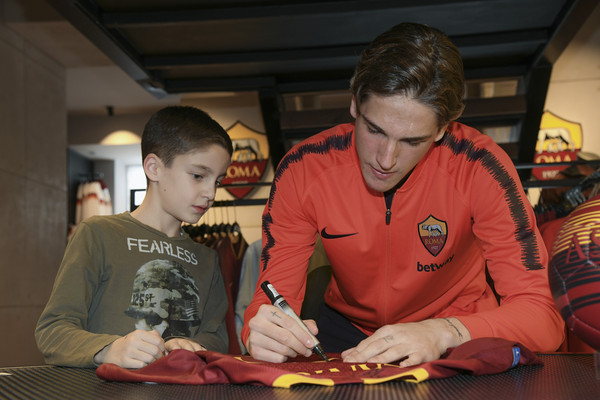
157	220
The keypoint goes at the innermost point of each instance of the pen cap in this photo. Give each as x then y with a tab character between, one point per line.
269	291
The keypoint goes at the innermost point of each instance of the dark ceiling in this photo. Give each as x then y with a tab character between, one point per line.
278	48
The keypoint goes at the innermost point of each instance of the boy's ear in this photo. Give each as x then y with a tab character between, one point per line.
152	166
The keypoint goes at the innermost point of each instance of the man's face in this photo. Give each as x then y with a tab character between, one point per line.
393	133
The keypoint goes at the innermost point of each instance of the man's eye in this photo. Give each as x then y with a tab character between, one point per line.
197	177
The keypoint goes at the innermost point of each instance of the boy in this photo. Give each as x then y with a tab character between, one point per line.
132	287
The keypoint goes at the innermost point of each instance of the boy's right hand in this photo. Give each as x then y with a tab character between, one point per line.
134	350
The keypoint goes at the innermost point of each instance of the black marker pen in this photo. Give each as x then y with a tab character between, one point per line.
278	301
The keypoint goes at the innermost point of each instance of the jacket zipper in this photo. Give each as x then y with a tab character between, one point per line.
389	196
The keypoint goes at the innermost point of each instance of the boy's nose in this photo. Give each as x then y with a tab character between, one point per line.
209	192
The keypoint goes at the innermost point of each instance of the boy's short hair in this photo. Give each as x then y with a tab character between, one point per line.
416	61
176	130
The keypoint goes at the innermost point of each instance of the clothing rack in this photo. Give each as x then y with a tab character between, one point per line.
553	183
239	202
247	184
556	164
242	202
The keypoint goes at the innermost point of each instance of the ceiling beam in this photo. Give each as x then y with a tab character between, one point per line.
284	55
142	17
469	45
125	58
270	106
568	23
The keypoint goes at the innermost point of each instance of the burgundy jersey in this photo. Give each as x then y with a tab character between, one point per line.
477	357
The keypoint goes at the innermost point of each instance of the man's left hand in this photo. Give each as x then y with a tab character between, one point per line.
412	343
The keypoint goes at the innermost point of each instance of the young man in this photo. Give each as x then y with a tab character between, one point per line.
412	208
134	286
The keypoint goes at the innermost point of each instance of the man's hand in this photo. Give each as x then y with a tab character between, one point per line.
134	350
275	336
413	343
182	343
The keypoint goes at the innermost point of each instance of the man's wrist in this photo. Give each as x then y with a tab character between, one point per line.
459	332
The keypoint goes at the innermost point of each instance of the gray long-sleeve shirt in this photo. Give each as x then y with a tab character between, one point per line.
118	275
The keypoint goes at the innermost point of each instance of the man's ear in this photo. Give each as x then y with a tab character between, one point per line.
353	108
440	134
152	167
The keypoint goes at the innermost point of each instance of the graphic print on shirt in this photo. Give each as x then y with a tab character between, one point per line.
433	233
165	298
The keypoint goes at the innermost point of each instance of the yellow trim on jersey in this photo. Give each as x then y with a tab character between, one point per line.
287	380
418	375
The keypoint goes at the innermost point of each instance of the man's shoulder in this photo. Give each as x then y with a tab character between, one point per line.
336	139
462	141
465	133
322	151
463	151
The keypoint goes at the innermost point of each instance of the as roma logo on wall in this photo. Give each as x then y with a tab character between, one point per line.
559	140
250	158
433	233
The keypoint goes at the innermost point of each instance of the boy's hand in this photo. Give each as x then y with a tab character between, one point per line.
181	343
134	350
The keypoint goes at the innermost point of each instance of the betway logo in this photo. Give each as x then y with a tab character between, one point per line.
433	267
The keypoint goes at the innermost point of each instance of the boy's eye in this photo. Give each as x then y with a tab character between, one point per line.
196	176
218	183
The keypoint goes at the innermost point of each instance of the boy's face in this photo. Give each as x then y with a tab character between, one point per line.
392	134
187	187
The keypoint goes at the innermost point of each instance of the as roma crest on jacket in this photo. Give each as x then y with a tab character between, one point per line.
249	161
433	233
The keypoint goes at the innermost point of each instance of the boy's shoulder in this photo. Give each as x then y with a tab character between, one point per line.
125	224
114	228
108	221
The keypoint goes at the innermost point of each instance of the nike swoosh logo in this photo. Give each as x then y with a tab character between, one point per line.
326	235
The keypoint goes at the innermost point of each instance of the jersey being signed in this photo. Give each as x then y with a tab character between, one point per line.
477	357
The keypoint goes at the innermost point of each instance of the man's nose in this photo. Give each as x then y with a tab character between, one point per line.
387	155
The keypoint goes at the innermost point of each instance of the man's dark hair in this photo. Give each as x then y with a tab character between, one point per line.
416	61
176	130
